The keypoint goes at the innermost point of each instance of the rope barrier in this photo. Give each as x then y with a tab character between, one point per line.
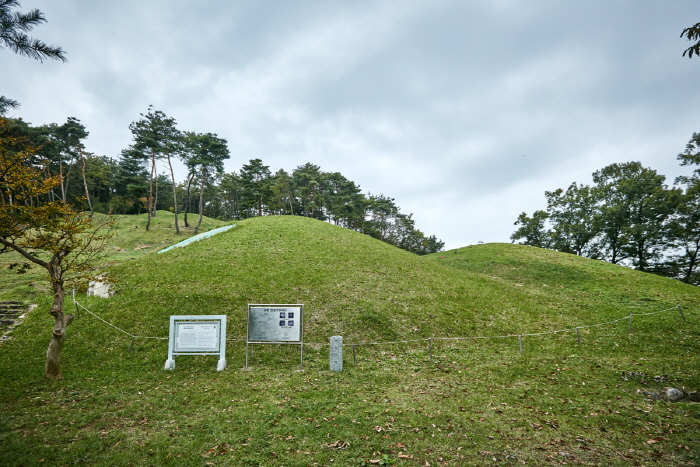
106	322
429	339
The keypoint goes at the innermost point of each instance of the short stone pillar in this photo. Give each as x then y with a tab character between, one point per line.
337	353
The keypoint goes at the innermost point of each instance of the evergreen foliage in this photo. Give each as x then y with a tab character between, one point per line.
692	34
14	27
628	216
131	184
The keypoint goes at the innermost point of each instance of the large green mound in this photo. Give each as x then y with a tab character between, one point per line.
553	399
366	290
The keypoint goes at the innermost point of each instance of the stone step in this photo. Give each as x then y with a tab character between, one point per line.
10	315
10	312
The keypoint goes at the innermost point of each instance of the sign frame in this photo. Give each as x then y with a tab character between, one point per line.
192	335
264	318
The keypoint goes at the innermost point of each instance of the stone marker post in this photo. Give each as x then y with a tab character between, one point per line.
337	353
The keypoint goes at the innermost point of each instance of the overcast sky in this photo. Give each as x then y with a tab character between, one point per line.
463	111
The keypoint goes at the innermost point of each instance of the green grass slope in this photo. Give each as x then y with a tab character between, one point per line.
366	290
130	241
573	285
467	397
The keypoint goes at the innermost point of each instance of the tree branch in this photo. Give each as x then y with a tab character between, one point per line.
24	253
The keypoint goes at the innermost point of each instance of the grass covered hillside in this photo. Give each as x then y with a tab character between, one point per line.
361	288
467	396
130	241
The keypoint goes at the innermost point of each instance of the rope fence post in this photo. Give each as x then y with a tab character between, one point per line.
430	348
578	336
681	312
77	310
354	358
520	343
630	330
131	343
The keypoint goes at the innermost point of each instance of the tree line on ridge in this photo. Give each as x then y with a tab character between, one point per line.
142	180
628	216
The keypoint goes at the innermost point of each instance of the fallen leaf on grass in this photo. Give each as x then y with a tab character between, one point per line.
338	445
217	450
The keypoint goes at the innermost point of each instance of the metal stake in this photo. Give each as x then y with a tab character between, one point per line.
630	321
681	311
301	356
77	310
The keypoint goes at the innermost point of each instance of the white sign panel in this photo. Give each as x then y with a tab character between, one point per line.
197	335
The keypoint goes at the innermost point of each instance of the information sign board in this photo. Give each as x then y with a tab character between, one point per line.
197	335
276	324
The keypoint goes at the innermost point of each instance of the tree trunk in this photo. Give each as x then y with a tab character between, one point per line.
692	257
172	177
58	334
63	181
190	177
201	203
87	192
150	193
155	197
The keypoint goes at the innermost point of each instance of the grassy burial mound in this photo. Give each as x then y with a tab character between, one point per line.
366	291
567	398
351	284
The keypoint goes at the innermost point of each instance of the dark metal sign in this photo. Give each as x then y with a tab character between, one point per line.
275	324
